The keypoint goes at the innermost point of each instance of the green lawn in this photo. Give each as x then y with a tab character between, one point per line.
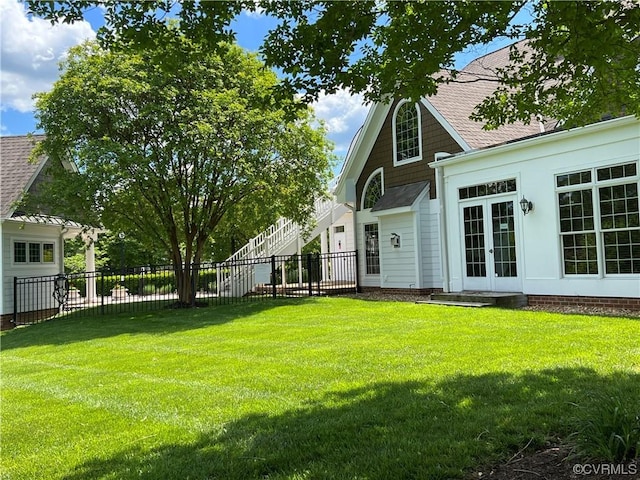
312	388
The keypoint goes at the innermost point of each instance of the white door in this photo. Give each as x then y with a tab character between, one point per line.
341	267
490	253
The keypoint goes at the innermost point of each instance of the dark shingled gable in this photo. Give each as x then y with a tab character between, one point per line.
402	196
16	172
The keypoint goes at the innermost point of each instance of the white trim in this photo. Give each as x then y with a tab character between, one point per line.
28	241
396	162
535	141
445	124
377	171
361	151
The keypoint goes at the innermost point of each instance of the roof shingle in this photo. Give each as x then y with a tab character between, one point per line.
16	172
456	101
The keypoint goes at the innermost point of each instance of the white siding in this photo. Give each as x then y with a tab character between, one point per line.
430	243
398	266
345	221
534	164
12	231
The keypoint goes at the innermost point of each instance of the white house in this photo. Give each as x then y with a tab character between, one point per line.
436	200
31	244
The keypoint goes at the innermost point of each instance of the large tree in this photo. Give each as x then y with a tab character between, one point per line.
582	57
168	140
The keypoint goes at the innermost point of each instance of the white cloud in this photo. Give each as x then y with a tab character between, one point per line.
258	11
30	51
343	114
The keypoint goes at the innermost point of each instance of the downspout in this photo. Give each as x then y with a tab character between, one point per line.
442	217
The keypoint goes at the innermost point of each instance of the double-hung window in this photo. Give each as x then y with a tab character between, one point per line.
600	220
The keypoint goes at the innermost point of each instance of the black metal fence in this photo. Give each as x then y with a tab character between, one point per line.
151	287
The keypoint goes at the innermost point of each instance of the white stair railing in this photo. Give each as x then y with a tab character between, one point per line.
273	241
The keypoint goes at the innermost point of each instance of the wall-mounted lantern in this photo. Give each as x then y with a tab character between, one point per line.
395	240
526	205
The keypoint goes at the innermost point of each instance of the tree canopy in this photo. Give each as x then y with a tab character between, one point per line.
581	61
168	141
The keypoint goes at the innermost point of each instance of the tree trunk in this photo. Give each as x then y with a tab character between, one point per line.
183	284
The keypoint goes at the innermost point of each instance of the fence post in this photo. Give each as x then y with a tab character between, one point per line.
318	270
101	292
357	271
274	290
15	301
309	274
194	284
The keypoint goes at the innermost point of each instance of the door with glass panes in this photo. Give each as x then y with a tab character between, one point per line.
489	248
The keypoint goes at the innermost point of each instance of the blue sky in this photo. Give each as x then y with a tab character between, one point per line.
31	49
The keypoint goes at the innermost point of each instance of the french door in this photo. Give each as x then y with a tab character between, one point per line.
490	252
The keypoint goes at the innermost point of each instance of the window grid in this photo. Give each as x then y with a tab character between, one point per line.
619	206
617	171
373	192
407	130
20	252
622	251
474	241
486	189
372	251
617	229
580	254
504	240
576	211
576	178
33	252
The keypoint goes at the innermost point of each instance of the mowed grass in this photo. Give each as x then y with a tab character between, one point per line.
314	388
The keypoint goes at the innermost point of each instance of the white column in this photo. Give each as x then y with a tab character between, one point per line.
90	266
324	250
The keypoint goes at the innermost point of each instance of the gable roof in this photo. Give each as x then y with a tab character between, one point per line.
451	106
16	172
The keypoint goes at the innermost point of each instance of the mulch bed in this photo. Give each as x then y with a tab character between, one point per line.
556	463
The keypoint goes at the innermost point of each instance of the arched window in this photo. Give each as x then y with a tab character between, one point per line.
373	189
407	141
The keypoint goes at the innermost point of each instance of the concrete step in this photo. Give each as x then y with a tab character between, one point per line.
497	299
457	304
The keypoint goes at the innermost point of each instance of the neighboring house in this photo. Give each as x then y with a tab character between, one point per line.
436	200
31	244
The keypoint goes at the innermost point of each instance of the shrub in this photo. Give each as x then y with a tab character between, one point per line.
609	430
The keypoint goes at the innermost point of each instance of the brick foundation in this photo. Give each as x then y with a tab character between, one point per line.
596	302
400	291
6	321
627	303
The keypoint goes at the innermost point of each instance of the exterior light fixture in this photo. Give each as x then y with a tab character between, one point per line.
395	240
526	205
